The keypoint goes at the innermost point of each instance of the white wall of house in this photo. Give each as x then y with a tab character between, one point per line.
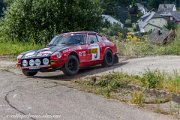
160	22
155	23
150	27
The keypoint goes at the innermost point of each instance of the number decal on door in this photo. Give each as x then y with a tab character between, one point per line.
95	51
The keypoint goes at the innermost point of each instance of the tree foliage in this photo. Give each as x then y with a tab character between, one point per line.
2	5
41	19
172	25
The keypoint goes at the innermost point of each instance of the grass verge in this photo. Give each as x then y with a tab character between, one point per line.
153	87
15	48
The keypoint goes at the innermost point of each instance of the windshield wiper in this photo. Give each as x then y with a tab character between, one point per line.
49	45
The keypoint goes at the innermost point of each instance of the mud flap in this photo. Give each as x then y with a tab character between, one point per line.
116	59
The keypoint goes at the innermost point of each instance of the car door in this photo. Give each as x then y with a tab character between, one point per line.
82	47
94	49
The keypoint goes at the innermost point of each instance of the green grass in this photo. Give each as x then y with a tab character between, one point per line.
15	48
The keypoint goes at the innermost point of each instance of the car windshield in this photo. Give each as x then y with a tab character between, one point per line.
72	39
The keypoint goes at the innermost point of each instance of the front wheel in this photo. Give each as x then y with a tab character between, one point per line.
26	73
71	66
108	59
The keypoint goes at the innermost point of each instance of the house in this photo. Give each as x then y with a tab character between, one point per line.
112	20
161	37
169	12
142	8
151	21
165	9
173	16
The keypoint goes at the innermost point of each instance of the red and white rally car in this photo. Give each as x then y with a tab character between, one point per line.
69	52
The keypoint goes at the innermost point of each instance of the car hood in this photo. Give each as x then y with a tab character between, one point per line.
45	52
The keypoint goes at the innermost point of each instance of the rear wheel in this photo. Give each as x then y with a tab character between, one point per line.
108	59
71	66
26	73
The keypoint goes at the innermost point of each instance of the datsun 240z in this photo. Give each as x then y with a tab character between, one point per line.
69	52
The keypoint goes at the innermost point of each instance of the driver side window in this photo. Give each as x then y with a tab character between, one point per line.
92	39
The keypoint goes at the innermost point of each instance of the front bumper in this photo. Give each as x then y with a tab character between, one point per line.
53	66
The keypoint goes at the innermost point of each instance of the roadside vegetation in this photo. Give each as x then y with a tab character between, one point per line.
30	24
152	88
140	45
14	48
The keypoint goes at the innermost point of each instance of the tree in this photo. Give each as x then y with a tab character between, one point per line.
39	20
171	25
2	5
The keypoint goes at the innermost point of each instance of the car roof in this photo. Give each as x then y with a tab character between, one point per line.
81	32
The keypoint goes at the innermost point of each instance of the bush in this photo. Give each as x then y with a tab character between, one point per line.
128	23
152	79
39	20
114	30
171	25
137	97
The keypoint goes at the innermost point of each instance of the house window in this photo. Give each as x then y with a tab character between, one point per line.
171	18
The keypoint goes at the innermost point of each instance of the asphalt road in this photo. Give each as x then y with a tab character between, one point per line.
46	95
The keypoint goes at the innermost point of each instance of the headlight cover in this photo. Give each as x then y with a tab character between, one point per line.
31	62
46	61
24	63
57	54
37	62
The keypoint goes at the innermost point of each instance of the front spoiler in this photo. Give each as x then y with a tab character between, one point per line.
42	69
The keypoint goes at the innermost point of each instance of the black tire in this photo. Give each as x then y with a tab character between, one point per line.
71	66
26	73
108	59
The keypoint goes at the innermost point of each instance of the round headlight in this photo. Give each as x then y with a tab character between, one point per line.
45	61
58	55
24	63
37	62
31	62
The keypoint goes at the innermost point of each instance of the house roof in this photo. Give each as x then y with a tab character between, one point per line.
156	15
145	18
165	8
111	20
139	5
176	15
158	36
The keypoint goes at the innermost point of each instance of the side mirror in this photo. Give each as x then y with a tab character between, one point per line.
92	42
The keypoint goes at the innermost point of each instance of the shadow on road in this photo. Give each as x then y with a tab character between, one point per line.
82	73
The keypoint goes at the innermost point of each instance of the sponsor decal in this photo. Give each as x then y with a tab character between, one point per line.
94	49
44	53
31	54
82	54
72	49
